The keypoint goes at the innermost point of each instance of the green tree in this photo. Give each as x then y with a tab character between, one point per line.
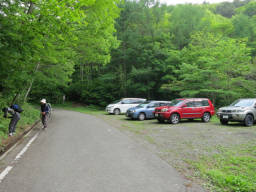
216	67
185	19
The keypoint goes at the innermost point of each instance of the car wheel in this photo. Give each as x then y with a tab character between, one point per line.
175	118
160	120
206	117
142	116
224	122
248	121
117	111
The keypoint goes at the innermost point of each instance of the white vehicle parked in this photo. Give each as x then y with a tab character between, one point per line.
121	106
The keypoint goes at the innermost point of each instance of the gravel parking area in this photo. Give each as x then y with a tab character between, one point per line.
187	142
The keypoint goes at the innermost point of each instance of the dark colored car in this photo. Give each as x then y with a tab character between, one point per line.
192	108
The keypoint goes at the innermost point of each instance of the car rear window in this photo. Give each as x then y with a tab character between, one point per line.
198	103
136	101
205	103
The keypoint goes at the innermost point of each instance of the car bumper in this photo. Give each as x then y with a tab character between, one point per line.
231	116
131	115
162	115
110	110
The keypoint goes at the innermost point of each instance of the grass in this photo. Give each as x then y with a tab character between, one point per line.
28	117
90	109
231	170
214	119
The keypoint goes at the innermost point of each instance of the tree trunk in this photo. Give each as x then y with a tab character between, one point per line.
15	98
28	91
31	7
31	83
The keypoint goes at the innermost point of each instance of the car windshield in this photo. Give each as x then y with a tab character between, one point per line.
143	105
175	102
243	103
115	102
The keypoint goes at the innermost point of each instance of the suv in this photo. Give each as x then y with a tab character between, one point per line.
178	109
121	106
145	110
242	110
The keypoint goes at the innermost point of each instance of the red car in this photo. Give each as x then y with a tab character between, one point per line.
192	108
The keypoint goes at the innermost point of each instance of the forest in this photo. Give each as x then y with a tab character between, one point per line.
97	51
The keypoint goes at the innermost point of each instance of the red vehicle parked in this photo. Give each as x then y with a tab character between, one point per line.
192	108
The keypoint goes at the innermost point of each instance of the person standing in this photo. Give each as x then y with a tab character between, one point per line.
44	112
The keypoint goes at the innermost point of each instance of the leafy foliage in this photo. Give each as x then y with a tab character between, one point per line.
174	51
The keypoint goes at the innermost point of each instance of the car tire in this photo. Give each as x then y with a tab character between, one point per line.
142	116
175	118
206	117
248	120
117	111
224	122
160	120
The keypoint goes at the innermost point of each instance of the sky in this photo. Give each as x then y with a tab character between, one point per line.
173	2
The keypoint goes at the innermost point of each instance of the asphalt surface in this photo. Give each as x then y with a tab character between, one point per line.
81	153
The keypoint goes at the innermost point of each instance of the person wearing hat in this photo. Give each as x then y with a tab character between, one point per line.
44	112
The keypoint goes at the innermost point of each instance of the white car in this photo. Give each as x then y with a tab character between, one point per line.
121	106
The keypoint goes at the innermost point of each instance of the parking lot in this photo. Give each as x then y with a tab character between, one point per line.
193	146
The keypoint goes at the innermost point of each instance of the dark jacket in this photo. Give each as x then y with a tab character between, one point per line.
45	108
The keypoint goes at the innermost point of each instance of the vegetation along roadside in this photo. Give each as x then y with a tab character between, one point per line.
28	117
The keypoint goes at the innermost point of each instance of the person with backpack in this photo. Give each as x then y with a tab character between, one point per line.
15	111
44	112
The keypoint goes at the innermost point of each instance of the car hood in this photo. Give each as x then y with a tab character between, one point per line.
111	105
136	108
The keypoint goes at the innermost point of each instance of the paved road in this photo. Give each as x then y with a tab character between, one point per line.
81	153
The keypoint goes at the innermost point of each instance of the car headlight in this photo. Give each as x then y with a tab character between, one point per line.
164	110
132	111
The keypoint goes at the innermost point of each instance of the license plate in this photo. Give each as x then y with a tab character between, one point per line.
225	116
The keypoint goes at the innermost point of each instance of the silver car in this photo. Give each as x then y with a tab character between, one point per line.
242	110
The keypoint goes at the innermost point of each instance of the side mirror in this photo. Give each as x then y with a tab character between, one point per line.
122	102
183	106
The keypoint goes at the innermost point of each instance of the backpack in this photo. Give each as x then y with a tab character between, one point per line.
49	107
17	108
